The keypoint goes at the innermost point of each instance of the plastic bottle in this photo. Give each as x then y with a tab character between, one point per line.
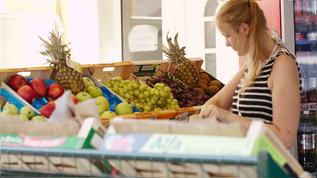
304	80
298	7
312	88
306	138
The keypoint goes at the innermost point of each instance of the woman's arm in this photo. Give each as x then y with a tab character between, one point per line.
284	83
223	98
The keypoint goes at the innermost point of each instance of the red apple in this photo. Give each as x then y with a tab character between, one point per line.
17	81
54	91
48	109
51	103
27	93
3	101
74	99
39	86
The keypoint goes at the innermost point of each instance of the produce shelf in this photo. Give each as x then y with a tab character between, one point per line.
130	164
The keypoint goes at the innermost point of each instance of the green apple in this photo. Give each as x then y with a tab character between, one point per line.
88	82
38	118
23	117
124	108
94	91
102	103
83	96
6	113
107	114
10	107
28	111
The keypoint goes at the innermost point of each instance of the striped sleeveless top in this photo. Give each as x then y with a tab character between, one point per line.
256	101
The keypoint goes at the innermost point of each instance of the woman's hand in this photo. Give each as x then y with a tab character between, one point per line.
213	111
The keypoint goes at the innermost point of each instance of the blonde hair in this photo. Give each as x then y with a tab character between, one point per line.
236	12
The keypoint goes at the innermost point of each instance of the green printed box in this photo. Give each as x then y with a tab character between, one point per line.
42	141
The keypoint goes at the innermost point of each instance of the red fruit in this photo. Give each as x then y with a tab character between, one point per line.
39	86
54	91
3	101
52	103
17	81
74	99
48	109
27	93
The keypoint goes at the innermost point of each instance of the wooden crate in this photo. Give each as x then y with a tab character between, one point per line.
146	69
39	72
33	72
107	71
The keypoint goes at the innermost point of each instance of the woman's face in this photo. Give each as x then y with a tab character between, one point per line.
238	40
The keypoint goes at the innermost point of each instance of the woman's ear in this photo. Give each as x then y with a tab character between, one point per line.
244	28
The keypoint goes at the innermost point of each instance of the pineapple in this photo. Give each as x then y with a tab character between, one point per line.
184	69
69	78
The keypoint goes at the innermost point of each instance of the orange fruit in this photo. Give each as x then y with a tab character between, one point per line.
215	83
212	90
205	76
203	86
201	91
203	81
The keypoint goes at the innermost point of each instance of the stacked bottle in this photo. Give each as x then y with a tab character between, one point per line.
305	7
312	88
306	138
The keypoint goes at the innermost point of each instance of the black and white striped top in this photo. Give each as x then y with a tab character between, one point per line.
256	101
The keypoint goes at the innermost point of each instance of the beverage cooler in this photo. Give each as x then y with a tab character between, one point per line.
299	31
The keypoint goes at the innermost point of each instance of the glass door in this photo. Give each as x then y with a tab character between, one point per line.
142	29
305	29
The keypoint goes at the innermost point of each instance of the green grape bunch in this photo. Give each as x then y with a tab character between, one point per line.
142	96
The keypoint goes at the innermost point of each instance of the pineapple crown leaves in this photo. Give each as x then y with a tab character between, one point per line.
55	49
173	52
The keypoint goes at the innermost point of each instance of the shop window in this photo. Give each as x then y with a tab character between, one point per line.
210	37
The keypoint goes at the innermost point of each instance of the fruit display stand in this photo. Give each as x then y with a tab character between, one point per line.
162	155
100	73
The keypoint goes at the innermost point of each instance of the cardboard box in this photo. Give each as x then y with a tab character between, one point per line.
90	136
201	138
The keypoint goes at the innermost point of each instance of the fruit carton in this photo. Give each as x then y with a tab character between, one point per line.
30	73
36	72
112	97
144	69
104	72
181	114
45	73
12	97
148	69
33	72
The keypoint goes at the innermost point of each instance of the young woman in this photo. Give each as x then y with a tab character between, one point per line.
267	87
